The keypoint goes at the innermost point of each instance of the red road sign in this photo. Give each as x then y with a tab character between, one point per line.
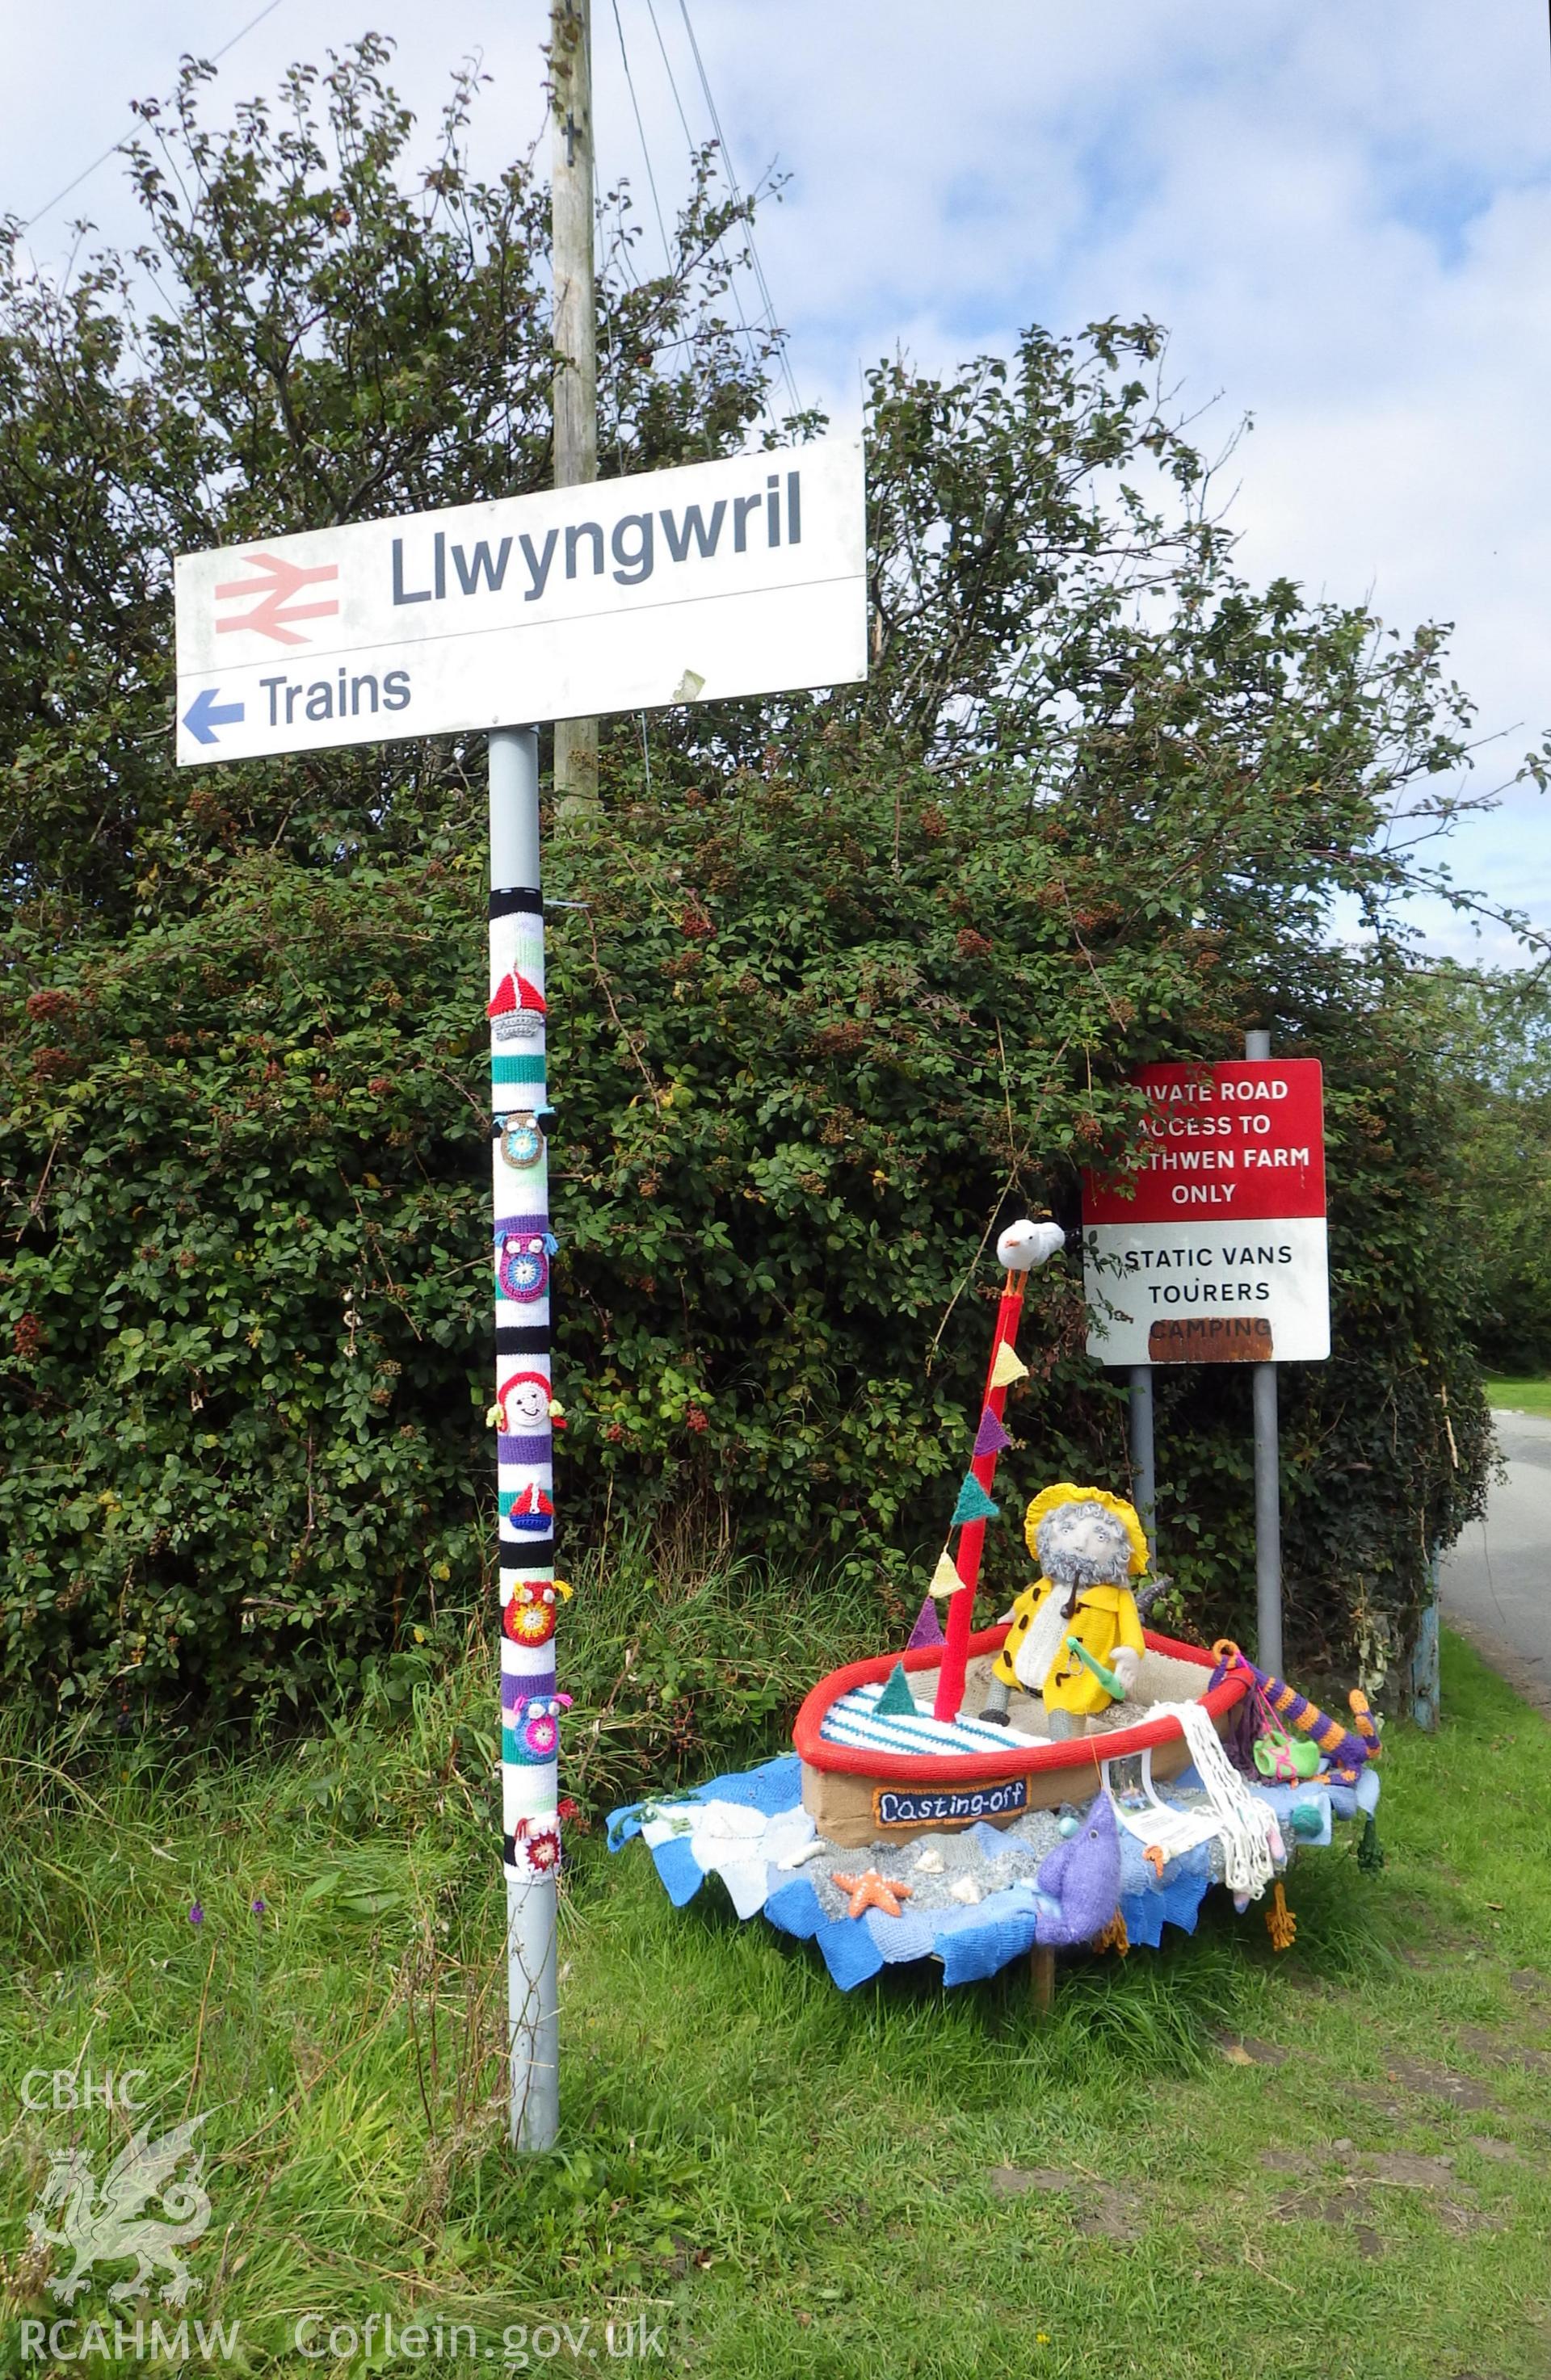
1209	1245
1241	1138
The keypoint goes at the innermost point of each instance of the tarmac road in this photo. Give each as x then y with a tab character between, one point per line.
1496	1581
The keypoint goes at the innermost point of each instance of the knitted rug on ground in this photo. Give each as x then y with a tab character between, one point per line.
973	1901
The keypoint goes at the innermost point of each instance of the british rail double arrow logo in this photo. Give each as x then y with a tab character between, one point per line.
276	610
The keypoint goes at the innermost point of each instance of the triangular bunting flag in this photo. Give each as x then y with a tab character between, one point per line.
946	1580
928	1629
1007	1368
973	1503
896	1700
990	1437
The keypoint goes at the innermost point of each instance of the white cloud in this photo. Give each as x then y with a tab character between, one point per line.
1342	212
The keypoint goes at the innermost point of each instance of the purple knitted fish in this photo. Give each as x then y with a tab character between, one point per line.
1082	1876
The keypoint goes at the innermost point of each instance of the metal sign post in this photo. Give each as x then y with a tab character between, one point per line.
1145	1476
1268	1483
737	577
522	1245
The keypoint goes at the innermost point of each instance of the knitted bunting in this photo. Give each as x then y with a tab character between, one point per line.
928	1629
1007	1367
990	1437
896	1700
973	1503
944	1578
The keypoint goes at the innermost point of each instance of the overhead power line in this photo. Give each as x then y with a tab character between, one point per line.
732	179
641	132
87	171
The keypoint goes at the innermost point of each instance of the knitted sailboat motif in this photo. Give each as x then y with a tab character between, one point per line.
531	1509
516	1011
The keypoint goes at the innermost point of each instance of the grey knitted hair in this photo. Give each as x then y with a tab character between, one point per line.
1085	1544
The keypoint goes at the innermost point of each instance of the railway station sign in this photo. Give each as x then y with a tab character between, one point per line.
742	576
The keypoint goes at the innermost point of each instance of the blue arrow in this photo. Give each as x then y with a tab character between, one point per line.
204	715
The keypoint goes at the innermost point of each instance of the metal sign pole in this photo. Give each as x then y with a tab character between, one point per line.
1269	1485
1144	1482
522	1246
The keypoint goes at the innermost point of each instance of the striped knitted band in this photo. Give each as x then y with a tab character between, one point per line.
532	1554
515	1692
522	1338
524	1449
520	1227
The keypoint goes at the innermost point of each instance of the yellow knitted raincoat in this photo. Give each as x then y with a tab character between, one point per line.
1106	1616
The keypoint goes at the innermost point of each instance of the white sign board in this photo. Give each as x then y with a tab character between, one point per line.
1209	1246
738	577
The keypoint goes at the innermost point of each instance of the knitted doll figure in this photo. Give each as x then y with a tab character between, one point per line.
1088	1544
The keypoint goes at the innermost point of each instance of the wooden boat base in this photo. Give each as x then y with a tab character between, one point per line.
843	1811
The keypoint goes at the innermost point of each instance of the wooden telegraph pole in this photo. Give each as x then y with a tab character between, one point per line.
576	371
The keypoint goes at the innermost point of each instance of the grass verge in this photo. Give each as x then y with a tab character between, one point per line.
1519	1396
1325	2165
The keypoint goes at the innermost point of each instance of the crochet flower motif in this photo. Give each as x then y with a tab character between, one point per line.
540	1847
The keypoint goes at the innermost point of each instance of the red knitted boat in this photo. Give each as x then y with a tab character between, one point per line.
869	1777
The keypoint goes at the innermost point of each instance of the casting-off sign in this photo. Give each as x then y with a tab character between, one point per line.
738	577
1210	1247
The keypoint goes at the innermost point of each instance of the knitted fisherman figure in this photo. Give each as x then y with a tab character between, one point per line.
1088	1544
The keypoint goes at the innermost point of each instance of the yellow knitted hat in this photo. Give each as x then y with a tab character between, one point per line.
1050	1499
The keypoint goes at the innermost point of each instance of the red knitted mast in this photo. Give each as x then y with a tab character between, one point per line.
971	1537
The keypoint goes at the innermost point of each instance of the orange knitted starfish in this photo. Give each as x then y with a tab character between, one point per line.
870	1890
1158	1858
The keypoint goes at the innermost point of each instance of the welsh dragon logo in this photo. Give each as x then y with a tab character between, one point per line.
110	2226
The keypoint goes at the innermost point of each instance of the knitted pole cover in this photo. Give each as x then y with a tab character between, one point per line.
523	1244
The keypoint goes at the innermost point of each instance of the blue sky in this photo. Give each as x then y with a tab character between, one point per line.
1343	214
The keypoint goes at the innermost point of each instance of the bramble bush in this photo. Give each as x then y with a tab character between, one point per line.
851	979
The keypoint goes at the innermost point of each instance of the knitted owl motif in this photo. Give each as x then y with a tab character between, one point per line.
522	1267
529	1618
522	1140
536	1727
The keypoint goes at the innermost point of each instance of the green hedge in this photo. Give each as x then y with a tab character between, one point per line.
854	979
247	1306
